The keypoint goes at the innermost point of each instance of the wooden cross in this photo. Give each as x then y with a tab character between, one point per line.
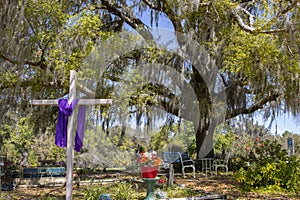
70	130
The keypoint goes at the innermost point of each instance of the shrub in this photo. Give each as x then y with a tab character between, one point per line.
271	168
123	191
93	192
4	196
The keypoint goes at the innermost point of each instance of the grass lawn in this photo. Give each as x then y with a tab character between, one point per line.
132	187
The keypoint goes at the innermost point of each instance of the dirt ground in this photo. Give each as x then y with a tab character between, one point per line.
207	185
226	185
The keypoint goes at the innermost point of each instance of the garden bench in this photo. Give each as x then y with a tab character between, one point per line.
40	172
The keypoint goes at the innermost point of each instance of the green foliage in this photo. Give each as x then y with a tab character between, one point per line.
129	191
175	137
102	150
223	141
271	169
16	140
82	29
123	191
4	196
160	139
94	192
192	149
52	152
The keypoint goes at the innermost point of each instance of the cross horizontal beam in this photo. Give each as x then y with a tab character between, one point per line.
48	102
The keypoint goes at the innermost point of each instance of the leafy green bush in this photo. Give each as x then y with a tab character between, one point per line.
123	191
4	197
271	168
223	142
93	192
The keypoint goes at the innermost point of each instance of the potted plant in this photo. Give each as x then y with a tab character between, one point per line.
149	162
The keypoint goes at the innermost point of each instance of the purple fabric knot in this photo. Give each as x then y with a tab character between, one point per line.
65	110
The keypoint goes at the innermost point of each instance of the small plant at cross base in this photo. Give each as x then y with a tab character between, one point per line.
162	182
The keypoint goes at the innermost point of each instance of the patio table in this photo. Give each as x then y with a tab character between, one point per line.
206	165
168	160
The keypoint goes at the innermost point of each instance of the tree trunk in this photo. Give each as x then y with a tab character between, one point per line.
204	142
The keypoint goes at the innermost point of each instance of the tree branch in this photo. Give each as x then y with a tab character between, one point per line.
152	5
248	28
40	63
129	18
288	8
86	90
165	8
251	109
29	83
172	16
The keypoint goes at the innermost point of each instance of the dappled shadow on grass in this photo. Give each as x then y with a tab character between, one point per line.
40	193
35	193
210	184
225	184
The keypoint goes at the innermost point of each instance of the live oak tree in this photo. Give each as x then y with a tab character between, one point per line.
252	42
255	46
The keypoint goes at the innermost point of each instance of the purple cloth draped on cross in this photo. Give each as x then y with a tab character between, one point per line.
66	110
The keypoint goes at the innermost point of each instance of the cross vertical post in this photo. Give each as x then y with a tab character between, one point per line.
70	152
